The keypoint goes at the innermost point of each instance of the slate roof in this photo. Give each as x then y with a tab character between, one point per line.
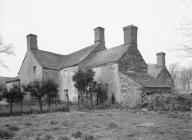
153	70
107	56
76	57
3	80
48	59
57	61
146	80
12	79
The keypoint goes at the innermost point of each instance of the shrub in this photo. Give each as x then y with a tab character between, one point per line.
45	137
63	138
14	128
6	134
53	122
78	134
170	102
112	126
87	137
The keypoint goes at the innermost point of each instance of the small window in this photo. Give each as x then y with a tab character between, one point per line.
34	69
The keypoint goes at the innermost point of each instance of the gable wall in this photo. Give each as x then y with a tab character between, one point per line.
26	74
132	61
164	76
130	91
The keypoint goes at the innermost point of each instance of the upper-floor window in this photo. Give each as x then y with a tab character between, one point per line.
34	69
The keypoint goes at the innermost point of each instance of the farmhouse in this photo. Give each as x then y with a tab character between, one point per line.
122	69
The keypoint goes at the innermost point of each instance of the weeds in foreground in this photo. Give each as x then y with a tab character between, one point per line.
6	134
112	126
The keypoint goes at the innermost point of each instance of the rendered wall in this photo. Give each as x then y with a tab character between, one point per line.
51	74
26	74
66	83
108	74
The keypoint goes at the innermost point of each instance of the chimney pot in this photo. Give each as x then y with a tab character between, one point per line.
31	41
130	34
161	59
99	34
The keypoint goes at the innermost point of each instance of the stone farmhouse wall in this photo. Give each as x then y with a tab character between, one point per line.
132	61
66	84
130	91
108	75
26	73
49	74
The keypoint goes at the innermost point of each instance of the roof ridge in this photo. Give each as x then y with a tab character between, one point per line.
49	52
93	45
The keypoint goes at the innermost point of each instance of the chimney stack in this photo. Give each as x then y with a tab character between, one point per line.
99	35
130	35
160	59
31	41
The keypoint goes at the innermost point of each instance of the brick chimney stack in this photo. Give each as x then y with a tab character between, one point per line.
160	59
99	35
31	41
130	35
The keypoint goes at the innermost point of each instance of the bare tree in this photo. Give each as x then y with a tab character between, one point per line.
186	76
189	74
183	79
185	32
5	49
173	70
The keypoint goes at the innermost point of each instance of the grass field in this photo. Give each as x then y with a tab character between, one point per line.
106	124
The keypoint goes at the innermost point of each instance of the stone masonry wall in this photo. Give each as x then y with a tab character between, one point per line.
132	61
26	73
108	74
130	91
66	84
165	77
50	74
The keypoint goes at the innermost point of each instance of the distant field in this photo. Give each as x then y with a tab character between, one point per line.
106	124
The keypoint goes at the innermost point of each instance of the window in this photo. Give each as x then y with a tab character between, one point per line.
34	69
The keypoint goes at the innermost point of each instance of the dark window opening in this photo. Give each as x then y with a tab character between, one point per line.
34	69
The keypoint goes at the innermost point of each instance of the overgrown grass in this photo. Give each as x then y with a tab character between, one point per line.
6	134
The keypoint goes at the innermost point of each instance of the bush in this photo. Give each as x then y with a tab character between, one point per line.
13	128
112	126
170	102
6	134
63	138
87	137
78	134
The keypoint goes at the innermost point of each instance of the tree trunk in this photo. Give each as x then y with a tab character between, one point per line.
49	104
79	102
55	101
67	102
40	105
11	107
92	100
21	106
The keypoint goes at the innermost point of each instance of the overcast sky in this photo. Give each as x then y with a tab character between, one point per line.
65	26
